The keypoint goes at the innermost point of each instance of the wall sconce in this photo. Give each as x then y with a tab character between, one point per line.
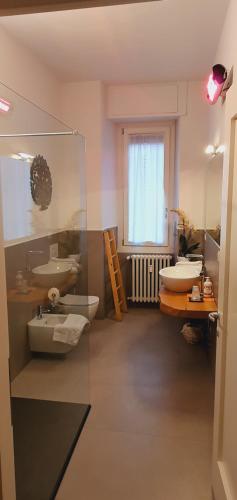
213	151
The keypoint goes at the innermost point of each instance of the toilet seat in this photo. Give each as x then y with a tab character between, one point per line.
78	300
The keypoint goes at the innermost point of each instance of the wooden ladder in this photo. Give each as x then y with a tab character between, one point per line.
116	279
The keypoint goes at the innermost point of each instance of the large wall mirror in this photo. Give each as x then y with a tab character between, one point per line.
213	194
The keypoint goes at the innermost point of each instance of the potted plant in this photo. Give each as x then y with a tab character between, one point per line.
187	244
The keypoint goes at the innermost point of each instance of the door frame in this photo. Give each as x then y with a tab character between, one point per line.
15	7
7	465
220	484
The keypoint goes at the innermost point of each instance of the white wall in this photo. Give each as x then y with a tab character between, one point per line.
22	71
181	101
193	131
109	169
83	107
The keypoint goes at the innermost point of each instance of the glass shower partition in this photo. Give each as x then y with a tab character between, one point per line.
43	209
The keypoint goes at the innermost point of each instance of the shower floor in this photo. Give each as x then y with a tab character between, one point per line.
45	435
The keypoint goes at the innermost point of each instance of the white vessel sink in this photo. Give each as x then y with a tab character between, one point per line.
180	278
52	274
41	334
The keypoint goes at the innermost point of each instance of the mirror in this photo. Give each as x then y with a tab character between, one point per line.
213	192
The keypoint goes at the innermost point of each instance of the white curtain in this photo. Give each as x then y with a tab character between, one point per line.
146	190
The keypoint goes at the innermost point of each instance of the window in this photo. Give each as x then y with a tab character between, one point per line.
146	187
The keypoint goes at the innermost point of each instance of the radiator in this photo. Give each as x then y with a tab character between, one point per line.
145	276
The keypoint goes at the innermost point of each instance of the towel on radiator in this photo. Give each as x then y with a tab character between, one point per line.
70	331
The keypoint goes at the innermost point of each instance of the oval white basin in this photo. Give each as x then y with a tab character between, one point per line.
179	278
51	274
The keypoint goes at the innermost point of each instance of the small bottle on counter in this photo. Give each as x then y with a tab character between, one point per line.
196	294
19	280
208	288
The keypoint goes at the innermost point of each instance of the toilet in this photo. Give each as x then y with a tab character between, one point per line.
86	305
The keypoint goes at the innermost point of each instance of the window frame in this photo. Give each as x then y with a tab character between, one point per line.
165	132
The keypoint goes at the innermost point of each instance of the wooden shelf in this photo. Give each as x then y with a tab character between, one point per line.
178	304
39	295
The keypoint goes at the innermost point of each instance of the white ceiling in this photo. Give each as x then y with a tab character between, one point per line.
162	40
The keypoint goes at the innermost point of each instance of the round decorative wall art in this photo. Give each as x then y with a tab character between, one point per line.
41	182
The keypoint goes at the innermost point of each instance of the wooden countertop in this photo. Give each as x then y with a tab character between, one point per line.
178	304
37	294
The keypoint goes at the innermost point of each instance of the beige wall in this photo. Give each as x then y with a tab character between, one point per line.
95	109
25	74
184	102
83	107
191	158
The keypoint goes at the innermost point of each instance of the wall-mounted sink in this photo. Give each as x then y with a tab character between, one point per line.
180	278
52	274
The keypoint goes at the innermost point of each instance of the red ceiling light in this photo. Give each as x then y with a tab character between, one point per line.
5	106
215	83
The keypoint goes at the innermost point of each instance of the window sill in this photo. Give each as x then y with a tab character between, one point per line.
127	248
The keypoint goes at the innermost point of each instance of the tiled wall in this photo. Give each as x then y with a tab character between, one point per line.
92	280
19	313
212	263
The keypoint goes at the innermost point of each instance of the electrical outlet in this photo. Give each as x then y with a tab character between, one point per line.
53	250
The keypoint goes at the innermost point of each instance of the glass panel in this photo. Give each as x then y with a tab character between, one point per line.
213	192
43	207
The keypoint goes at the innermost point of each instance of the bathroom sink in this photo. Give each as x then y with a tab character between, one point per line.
52	274
180	278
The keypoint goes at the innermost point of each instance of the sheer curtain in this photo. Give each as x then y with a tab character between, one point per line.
146	190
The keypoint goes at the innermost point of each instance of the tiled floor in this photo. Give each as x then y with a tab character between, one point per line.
148	436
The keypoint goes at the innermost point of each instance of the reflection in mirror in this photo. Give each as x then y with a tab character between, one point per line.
213	191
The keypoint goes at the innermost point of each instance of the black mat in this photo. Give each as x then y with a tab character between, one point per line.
45	435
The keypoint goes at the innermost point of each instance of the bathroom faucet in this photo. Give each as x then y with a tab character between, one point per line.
29	253
44	310
202	273
194	256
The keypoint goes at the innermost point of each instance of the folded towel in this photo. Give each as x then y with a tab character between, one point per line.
70	331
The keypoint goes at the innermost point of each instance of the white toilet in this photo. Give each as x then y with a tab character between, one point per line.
86	305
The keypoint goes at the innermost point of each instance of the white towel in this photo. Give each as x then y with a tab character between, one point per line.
70	331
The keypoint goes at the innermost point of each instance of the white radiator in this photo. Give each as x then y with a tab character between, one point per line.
145	276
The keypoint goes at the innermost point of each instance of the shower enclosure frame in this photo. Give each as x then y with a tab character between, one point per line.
7	465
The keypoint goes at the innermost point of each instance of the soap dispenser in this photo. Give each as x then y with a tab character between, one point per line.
208	288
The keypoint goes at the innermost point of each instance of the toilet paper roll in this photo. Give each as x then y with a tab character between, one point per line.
54	295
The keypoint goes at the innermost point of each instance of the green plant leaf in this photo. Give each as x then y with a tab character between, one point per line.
193	247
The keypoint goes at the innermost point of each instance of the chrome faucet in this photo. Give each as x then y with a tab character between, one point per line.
202	273
41	309
29	253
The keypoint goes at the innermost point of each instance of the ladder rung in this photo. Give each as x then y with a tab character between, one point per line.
114	270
